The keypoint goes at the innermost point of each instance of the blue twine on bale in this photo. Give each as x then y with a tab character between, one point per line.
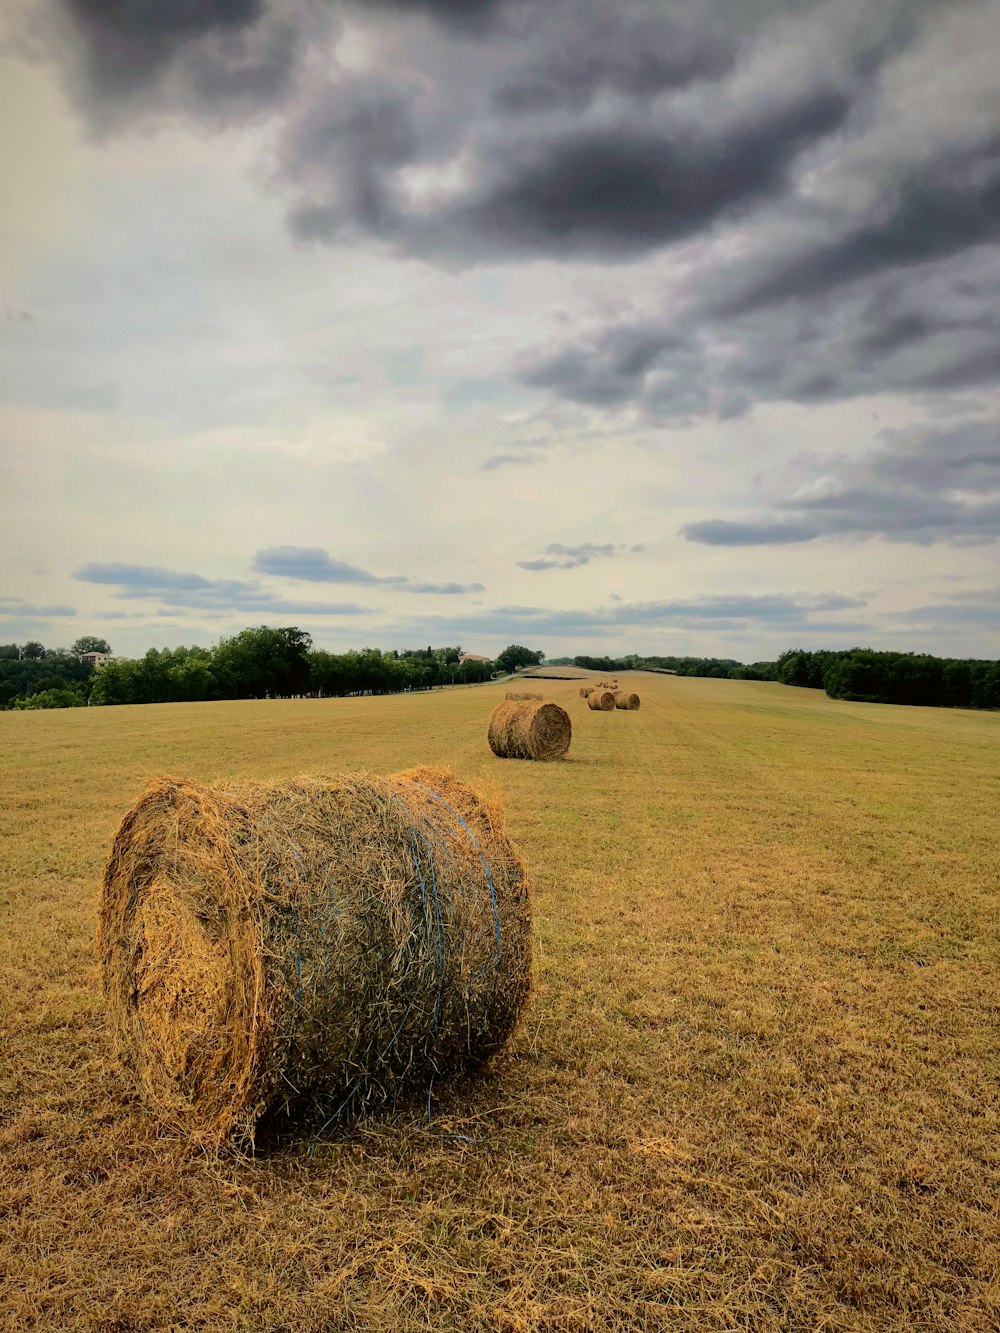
439	921
489	880
413	835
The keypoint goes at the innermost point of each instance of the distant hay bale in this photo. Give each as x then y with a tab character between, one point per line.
586	691
627	702
310	947
601	700
512	697
529	731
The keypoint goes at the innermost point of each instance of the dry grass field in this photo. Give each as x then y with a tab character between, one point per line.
757	1088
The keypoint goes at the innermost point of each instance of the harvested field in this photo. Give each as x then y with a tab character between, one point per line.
757	1087
513	696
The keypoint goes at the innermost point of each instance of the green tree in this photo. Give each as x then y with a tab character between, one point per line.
515	656
262	661
32	649
90	643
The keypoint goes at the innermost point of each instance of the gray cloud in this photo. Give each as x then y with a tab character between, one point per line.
572	557
777	612
18	607
447	588
919	485
983	612
177	589
313	564
506	460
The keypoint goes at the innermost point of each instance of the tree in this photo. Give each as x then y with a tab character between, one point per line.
90	643
263	661
515	656
32	649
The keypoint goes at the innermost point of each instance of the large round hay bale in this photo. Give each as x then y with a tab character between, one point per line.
529	731
586	691
513	697
309	947
627	702
601	700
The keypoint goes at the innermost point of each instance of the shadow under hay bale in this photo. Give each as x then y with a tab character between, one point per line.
529	731
629	703
513	697
311	947
601	701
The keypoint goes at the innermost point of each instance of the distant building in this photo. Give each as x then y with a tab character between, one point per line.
95	659
472	657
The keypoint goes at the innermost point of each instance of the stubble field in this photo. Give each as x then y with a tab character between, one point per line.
757	1087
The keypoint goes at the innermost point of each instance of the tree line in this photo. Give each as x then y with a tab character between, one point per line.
261	662
868	676
257	663
863	675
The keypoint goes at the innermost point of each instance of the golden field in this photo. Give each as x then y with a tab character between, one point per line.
757	1087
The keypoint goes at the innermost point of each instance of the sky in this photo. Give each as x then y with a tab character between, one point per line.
649	327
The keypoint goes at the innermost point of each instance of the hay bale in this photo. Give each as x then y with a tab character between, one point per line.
586	691
513	697
529	731
627	702
601	700
310	947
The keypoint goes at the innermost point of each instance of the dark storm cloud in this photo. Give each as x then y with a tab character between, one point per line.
315	565
462	14
865	243
919	486
128	41
127	59
941	208
605	191
178	589
929	328
633	51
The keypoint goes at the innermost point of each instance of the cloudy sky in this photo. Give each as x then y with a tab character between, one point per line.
649	326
